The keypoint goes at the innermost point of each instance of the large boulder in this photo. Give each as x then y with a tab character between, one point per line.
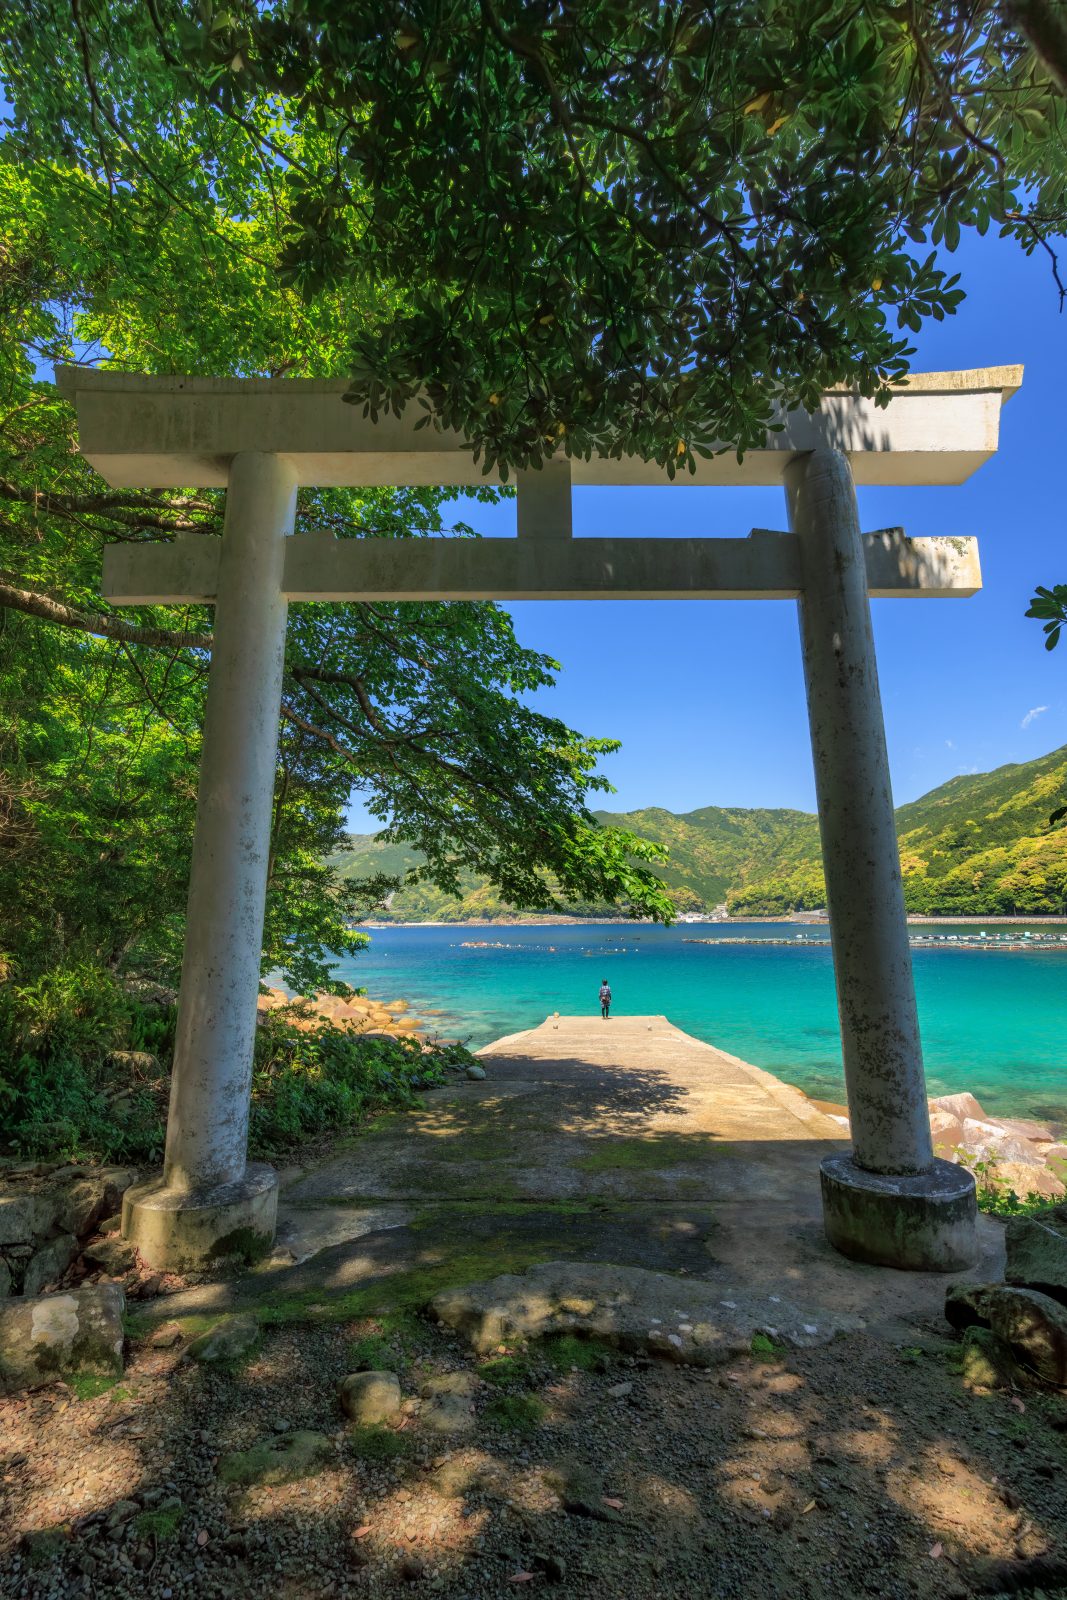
946	1132
25	1215
636	1310
48	1264
370	1397
961	1106
49	1336
1025	1180
227	1341
1033	1324
1037	1252
987	1142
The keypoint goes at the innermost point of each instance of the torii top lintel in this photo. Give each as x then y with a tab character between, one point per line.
161	432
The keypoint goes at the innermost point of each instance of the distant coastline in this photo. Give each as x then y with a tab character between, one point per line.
805	920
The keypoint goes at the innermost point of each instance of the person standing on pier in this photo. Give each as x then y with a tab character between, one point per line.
605	999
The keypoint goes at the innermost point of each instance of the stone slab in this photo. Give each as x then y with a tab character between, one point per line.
636	1311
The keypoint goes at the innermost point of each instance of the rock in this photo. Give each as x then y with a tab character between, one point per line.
987	1360
1026	1128
619	1391
24	1217
637	1311
448	1407
991	1143
227	1341
554	1567
113	1254
166	1336
121	1512
946	1132
45	1338
1037	1252
139	1062
48	1264
370	1397
80	1205
466	1384
475	1072
580	1490
959	1105
1026	1180
5	1279
280	1459
1033	1324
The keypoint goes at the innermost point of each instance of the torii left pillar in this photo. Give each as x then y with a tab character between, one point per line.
211	1204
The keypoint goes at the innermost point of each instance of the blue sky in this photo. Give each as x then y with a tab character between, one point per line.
708	697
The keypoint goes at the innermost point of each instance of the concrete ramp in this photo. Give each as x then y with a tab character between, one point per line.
623	1142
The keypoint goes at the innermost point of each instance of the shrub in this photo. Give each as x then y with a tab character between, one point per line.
64	1093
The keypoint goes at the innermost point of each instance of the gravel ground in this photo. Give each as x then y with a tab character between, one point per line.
859	1468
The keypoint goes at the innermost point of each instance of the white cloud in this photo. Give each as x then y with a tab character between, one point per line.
950	744
1030	715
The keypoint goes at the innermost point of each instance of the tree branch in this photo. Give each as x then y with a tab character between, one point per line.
45	609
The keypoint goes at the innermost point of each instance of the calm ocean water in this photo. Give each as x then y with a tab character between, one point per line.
992	1022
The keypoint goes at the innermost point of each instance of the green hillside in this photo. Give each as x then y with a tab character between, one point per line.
976	845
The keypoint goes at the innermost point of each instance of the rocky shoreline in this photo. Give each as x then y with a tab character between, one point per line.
374	1019
1006	1154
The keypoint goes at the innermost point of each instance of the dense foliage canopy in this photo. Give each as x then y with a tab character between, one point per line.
583	227
618	226
424	708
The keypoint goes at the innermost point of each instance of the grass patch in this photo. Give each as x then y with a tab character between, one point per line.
387	1346
91	1385
411	1290
484	1145
516	1413
764	1348
565	1351
507	1371
654	1151
375	1443
160	1524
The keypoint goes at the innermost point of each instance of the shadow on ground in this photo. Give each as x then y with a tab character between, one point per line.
862	1466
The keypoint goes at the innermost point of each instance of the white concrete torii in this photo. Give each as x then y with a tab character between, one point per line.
888	1200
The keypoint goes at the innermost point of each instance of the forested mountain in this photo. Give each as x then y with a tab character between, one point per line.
977	844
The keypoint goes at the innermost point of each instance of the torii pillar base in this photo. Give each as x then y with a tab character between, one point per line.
919	1221
193	1230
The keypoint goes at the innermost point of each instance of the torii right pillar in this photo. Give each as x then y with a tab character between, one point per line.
888	1201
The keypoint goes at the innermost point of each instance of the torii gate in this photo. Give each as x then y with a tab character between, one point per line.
886	1201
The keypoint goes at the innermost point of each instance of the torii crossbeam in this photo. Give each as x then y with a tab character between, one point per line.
888	1200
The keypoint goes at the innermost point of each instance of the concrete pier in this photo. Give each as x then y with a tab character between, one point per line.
209	1203
889	1201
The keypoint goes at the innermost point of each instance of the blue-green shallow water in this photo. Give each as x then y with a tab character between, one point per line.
993	1023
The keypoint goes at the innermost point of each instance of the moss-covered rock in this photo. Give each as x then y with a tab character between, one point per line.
228	1341
1036	1249
49	1336
280	1459
370	1397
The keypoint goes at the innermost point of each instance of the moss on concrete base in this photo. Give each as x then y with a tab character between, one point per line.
922	1222
190	1230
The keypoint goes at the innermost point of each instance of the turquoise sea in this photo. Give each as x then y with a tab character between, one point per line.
993	1022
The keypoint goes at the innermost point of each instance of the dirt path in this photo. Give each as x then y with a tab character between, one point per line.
865	1465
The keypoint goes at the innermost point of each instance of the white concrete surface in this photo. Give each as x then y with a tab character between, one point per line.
765	566
864	893
141	431
207	1129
